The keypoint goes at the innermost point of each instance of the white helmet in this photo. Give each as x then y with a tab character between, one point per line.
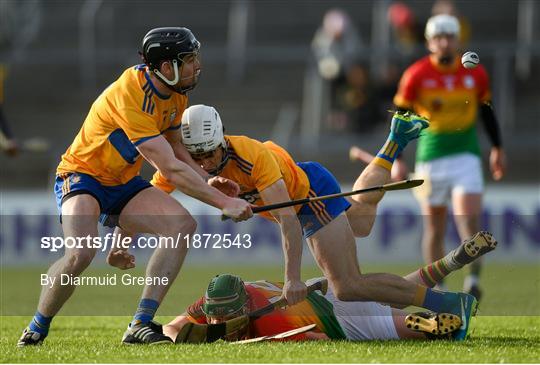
442	24
202	130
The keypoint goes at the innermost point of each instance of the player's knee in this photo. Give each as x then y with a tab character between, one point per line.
189	225
78	261
184	225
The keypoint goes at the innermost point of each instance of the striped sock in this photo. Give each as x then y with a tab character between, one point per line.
389	152
145	311
40	324
434	273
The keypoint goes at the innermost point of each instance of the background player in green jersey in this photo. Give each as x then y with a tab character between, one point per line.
439	88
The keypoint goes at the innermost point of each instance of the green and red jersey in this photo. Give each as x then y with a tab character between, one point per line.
449	96
315	309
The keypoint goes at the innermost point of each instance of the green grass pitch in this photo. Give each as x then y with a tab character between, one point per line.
89	330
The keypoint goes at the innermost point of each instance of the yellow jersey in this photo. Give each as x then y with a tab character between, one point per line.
255	166
130	111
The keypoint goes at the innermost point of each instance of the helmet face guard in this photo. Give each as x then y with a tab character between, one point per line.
225	296
202	133
222	164
172	44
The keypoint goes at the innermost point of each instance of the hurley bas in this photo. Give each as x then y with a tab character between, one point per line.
105	280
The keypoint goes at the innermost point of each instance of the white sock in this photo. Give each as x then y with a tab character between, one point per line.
470	281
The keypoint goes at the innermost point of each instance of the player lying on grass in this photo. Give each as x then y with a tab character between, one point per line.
227	297
267	174
136	118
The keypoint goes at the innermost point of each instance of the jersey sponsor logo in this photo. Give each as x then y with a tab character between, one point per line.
429	83
468	82
449	82
173	115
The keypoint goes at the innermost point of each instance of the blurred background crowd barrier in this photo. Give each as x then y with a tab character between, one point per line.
314	76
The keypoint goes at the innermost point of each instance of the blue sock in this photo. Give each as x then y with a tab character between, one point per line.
40	323
145	311
439	301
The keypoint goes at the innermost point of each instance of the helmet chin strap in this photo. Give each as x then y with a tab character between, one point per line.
221	166
166	80
171	84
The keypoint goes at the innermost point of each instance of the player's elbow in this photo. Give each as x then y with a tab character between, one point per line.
167	172
172	169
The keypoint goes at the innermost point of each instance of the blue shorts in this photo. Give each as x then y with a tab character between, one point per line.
314	216
111	199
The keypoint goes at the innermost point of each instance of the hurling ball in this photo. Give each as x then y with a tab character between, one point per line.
470	60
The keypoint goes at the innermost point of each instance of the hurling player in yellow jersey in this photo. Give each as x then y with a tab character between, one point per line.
448	156
137	117
267	174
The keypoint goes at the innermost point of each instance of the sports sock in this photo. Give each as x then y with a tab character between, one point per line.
434	273
475	267
145	311
390	151
437	301
470	281
40	324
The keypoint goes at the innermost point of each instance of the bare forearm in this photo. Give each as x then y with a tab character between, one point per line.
291	232
183	155
189	182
